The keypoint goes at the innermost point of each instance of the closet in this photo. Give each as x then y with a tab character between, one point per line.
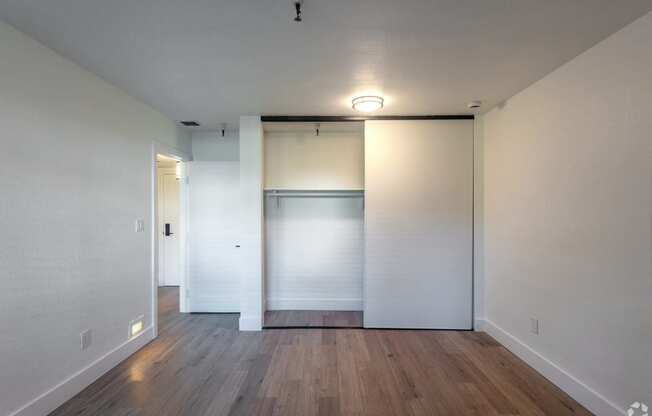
364	223
314	223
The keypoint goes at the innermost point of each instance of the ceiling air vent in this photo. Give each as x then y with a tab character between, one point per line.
189	123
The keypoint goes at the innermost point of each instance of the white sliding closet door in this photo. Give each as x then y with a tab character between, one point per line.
418	224
214	263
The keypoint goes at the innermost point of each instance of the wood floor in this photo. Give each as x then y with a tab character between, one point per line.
201	365
331	319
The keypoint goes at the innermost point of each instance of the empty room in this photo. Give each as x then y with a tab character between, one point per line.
326	208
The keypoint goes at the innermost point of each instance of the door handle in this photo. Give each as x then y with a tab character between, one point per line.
167	230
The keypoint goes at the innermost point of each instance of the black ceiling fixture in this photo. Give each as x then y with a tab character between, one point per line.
189	123
297	8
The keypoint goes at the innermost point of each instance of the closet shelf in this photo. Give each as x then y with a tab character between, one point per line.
343	193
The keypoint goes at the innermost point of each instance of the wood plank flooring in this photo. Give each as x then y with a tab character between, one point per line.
201	365
341	319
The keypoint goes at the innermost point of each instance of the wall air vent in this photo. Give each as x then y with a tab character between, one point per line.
189	123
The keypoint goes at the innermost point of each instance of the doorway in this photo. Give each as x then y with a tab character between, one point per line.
168	220
169	215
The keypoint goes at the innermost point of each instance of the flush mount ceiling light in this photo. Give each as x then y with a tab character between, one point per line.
368	103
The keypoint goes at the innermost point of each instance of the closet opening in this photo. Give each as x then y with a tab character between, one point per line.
314	224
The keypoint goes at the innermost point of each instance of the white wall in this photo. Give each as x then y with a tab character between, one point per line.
252	237
75	169
568	222
299	159
314	252
211	146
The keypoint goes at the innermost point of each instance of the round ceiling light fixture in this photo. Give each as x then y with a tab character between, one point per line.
368	103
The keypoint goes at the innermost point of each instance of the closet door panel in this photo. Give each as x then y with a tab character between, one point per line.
418	224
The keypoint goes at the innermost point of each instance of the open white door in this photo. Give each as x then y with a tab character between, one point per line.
213	236
418	224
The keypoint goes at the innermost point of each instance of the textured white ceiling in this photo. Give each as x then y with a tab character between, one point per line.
214	60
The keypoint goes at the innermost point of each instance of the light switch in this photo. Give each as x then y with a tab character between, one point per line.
86	339
534	326
140	226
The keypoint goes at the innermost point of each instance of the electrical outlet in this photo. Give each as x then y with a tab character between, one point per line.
86	338
140	226
534	326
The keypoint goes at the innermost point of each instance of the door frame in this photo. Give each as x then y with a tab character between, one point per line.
158	148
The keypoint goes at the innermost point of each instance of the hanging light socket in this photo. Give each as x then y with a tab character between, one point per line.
297	9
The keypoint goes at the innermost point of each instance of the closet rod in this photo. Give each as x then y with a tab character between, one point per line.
340	194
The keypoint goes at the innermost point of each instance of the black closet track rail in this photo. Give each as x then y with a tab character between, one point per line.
336	119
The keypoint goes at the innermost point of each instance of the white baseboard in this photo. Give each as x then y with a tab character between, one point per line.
68	388
315	304
251	323
478	324
583	394
214	304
